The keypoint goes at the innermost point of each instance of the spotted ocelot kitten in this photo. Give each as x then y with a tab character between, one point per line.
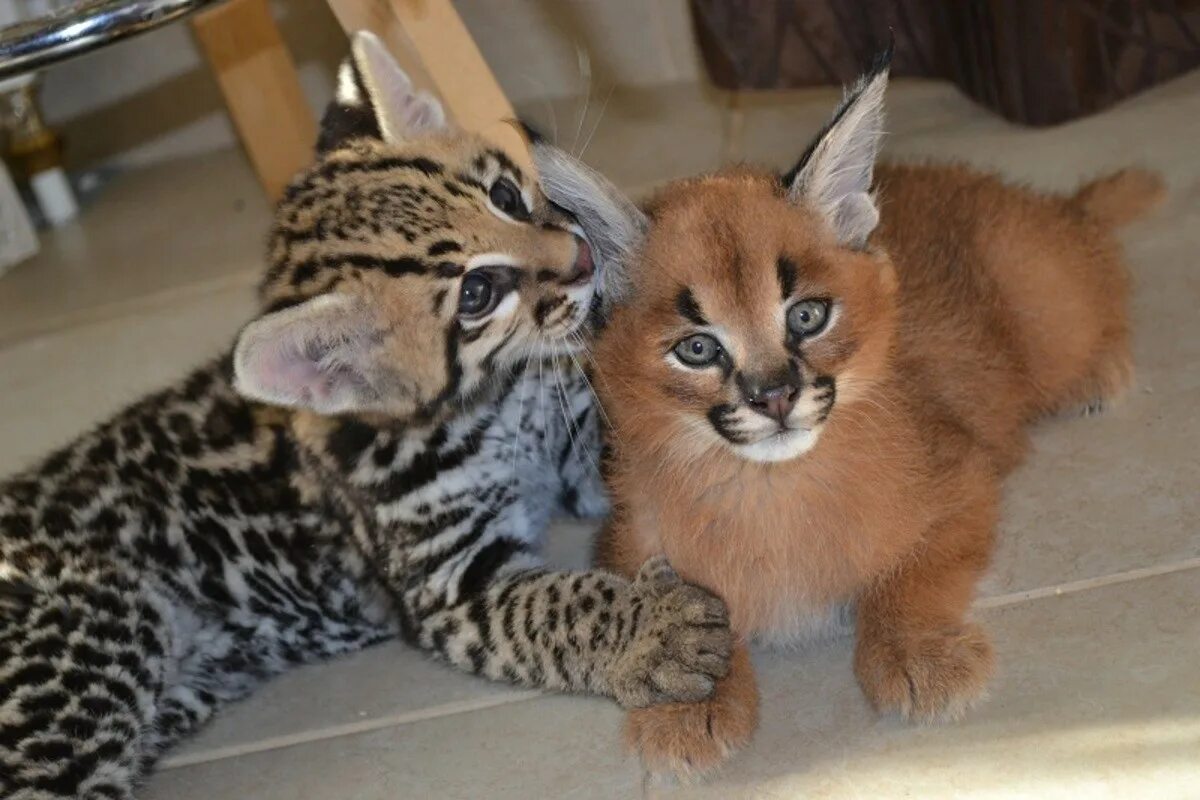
379	455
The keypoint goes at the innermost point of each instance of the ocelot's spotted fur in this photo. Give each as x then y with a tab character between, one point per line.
410	429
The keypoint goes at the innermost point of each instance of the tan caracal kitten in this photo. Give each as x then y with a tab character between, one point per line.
816	383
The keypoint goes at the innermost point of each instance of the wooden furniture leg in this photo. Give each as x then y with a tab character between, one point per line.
431	43
262	91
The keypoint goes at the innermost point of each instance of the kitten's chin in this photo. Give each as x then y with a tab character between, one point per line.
782	446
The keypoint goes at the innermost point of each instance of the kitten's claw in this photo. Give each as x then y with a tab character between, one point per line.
657	576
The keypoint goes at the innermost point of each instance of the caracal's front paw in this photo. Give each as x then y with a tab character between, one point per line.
682	644
689	740
926	675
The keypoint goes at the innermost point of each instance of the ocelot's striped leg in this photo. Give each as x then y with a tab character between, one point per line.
81	665
650	640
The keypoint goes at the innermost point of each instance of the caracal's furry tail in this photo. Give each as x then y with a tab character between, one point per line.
1122	196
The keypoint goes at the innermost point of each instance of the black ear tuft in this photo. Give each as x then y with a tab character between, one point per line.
835	175
881	64
883	59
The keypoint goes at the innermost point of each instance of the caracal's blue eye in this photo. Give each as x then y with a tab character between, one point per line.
698	350
808	317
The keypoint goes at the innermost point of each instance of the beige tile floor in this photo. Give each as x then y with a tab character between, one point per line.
1094	598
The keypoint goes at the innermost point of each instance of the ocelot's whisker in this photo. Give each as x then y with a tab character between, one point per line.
591	389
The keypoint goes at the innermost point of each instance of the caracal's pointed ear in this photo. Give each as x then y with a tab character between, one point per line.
376	100
834	175
613	224
322	355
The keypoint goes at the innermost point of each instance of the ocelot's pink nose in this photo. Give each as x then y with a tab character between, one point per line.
584	267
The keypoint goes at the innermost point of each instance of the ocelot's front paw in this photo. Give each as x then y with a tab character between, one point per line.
682	644
925	675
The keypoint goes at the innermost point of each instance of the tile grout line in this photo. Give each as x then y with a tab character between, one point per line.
1085	584
346	729
469	706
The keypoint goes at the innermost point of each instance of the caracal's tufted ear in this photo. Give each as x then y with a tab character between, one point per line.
375	99
834	175
323	355
613	224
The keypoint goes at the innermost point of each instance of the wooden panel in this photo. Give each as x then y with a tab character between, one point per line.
262	91
432	44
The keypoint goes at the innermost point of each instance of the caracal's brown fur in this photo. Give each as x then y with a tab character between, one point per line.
978	308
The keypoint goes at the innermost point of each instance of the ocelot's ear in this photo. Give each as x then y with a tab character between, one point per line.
613	224
324	355
376	100
834	175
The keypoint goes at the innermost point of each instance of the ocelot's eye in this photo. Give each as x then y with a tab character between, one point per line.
698	350
808	317
506	197
478	295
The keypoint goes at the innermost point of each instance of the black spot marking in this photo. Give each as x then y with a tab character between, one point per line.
333	168
448	269
303	272
826	395
488	361
474	334
717	415
348	442
455	189
395	267
485	564
688	308
420	164
442	247
785	268
507	163
545	306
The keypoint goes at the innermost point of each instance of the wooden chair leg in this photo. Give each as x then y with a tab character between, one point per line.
431	43
261	88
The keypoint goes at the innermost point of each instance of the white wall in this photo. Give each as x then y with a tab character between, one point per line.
152	98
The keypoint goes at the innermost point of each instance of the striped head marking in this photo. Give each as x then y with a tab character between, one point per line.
412	266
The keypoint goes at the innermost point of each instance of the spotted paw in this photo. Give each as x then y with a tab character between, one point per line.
681	646
928	675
